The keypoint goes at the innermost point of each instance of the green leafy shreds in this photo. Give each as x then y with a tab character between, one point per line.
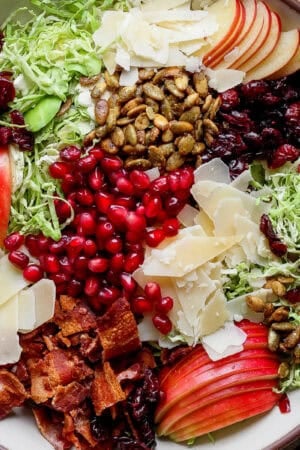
285	205
292	381
33	209
237	280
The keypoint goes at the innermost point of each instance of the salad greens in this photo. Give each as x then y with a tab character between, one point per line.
47	55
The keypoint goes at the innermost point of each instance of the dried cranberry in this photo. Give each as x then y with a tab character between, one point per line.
282	154
271	137
293	295
276	245
292	114
5	135
230	99
254	89
7	93
21	136
239	120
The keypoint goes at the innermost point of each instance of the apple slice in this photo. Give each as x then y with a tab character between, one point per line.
5	192
227	14
291	67
257	37
217	53
201	398
224	60
268	46
224	413
284	51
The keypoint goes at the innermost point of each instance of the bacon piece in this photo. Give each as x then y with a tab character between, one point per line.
50	425
69	397
106	390
82	426
118	330
134	372
73	316
90	347
59	367
12	392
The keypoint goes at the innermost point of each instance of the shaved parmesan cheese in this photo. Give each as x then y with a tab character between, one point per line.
215	170
153	173
147	331
11	280
123	58
224	79
129	78
45	293
10	350
188	215
27	318
173	16
22	84
158	5
109	60
227	340
214	314
193	64
242	181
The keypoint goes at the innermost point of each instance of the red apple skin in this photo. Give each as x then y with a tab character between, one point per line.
5	192
221	48
200	399
203	377
224	413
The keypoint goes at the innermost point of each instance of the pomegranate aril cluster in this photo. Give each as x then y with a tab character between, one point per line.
258	120
116	212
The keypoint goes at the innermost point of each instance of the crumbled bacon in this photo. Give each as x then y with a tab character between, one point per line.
50	424
106	389
118	330
12	392
69	397
74	317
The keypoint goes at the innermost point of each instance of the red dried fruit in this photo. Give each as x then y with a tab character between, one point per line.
283	154
276	245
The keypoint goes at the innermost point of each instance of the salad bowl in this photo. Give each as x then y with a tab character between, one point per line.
271	431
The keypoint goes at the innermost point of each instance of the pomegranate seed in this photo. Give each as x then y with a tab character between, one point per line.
61	289
113	177
111	163
86	163
75	246
114	245
160	185
127	202
153	291
64	209
66	265
80	263
31	243
134	247
92	286
74	288
60	246
60	278
107	295
51	264
125	186
127	282
139	179
105	230
81	275
98	265
117	262
33	273
85	197
117	215
173	206
141	305
112	277
171	227
164	305
58	170
140	210
79	178
14	241
135	223
90	248
43	243
162	323
153	207
133	261
96	179
18	259
86	224
134	238
98	153
70	153
186	179
155	237
103	201
174	181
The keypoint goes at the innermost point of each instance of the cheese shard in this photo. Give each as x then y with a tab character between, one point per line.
215	170
45	293
10	350
11	280
227	340
223	79
214	314
27	318
186	254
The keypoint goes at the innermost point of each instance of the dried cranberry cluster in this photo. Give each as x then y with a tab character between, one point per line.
258	120
18	135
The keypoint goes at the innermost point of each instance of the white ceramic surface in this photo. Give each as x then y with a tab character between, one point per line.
19	432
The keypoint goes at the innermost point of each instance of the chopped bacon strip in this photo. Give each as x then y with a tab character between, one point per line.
118	330
106	390
134	372
90	347
50	425
82	425
69	397
58	367
73	316
12	392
